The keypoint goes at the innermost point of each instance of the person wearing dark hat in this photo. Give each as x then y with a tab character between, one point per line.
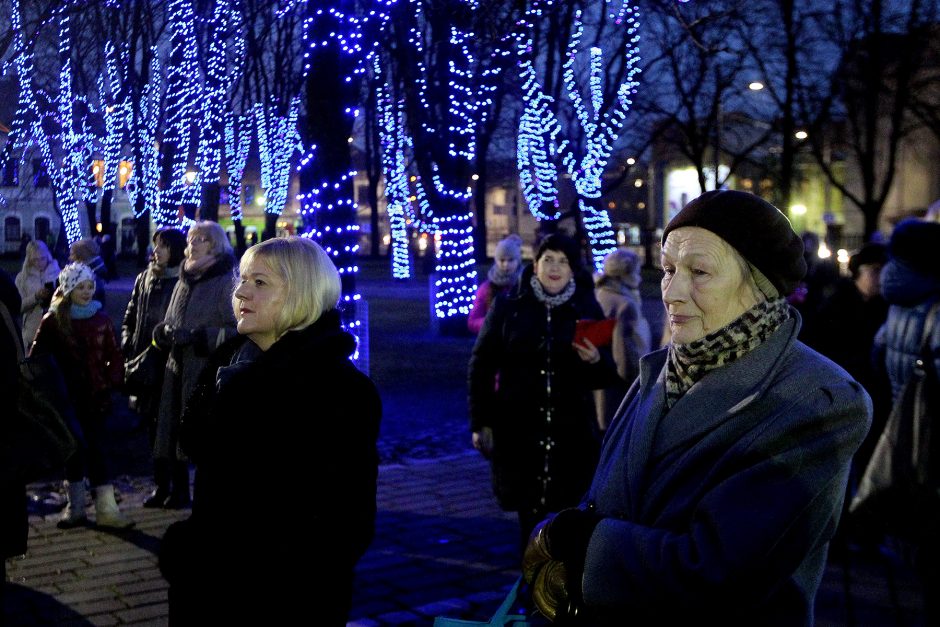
536	425
723	474
910	282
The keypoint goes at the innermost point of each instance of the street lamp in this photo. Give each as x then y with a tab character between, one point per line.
755	86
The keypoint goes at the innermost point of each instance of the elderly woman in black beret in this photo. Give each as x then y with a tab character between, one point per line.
723	474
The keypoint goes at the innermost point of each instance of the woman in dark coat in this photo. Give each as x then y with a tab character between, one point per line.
723	474
535	425
147	307
198	320
243	430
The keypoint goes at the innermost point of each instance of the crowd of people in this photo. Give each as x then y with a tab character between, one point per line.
698	477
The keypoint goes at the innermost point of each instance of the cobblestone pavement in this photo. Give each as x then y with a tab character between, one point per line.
442	546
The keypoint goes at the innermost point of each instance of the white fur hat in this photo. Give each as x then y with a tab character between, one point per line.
72	275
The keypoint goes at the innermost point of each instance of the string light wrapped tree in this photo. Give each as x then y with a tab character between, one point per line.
582	148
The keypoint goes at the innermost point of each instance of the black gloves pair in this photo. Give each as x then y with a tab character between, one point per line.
167	336
554	560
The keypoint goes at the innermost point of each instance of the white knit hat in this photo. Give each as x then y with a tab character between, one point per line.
72	275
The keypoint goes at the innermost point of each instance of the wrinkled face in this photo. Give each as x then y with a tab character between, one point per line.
868	280
161	254
259	298
198	245
83	293
507	264
703	284
553	271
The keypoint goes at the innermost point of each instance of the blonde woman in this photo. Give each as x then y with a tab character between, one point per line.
283	400
35	283
198	319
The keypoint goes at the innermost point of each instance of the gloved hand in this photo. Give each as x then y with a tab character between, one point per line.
163	335
182	337
556	550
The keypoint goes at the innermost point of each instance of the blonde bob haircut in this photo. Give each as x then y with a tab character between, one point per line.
312	282
219	243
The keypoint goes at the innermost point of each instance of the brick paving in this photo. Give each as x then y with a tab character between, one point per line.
442	545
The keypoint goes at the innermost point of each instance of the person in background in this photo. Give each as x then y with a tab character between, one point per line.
617	290
910	282
36	282
81	338
87	251
536	427
281	400
147	308
503	276
822	275
198	320
14	523
844	331
723	475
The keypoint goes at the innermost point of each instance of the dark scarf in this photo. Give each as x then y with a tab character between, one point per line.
688	363
551	300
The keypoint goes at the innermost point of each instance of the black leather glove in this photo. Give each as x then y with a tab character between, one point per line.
567	535
182	337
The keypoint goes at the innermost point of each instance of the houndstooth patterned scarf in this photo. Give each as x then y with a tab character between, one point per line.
690	362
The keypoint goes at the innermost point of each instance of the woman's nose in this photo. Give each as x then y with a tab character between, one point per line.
675	289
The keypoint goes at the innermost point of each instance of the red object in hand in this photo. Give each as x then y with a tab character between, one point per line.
598	332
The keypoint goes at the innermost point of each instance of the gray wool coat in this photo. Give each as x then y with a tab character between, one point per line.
204	307
720	510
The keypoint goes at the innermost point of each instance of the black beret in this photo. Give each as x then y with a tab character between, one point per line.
754	227
916	242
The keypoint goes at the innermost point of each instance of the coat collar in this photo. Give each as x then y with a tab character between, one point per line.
710	402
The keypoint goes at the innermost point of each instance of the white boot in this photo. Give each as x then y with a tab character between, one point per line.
74	514
107	513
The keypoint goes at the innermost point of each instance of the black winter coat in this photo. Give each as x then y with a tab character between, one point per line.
292	429
541	410
13	520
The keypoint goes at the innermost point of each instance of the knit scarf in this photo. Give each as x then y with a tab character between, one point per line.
83	312
194	268
688	363
549	299
503	279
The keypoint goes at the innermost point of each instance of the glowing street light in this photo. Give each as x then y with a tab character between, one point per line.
755	86
801	134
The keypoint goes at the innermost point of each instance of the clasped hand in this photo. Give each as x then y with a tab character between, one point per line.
554	559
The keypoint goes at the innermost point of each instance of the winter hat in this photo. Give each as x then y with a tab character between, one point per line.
72	275
563	244
511	246
622	264
915	243
755	228
870	253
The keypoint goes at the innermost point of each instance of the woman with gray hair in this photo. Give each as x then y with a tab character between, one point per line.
281	400
723	474
198	319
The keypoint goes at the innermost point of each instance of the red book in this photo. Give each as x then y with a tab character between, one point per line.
598	332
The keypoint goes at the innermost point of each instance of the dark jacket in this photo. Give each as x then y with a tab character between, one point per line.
719	510
13	521
295	423
146	308
541	412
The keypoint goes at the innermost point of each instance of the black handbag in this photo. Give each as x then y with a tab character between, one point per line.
898	493
42	438
144	372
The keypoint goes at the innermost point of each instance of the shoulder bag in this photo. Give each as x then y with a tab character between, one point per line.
898	493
